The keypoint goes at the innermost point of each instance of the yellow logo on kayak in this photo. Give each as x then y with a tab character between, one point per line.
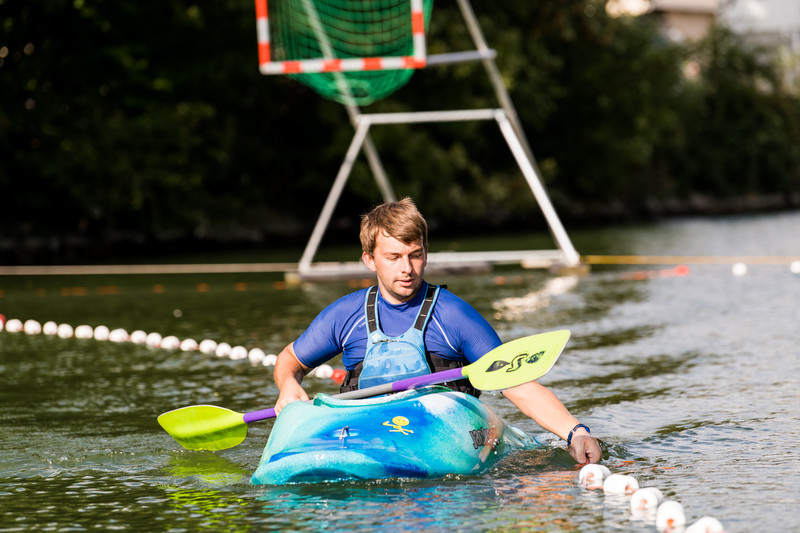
397	423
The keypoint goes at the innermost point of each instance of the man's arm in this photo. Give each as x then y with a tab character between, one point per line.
289	374
539	403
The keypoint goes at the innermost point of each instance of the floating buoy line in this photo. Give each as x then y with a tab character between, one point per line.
646	503
155	340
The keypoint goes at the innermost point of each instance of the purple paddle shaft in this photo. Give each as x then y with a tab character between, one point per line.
259	415
428	379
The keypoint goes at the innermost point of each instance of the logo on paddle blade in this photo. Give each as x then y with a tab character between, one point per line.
516	363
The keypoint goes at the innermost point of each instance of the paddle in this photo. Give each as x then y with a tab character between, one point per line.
207	427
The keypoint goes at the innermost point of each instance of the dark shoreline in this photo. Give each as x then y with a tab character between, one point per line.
72	249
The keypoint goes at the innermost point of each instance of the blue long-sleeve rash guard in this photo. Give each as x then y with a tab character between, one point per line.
456	331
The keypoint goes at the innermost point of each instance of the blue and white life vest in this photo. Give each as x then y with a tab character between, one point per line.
391	359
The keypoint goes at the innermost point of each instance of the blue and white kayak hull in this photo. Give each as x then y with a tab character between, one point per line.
424	433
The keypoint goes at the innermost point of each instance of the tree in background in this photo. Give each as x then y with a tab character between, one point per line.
143	121
742	128
149	122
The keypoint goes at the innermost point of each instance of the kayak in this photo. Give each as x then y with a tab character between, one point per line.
423	433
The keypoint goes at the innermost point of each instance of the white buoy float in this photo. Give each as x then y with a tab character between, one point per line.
620	484
82	332
101	333
138	337
707	524
223	349
794	267
118	335
269	360
645	501
592	476
188	345
238	353
50	328
324	371
65	331
14	325
32	327
170	342
153	340
207	346
256	355
739	269
670	516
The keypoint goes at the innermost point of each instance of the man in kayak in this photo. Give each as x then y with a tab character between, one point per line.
406	327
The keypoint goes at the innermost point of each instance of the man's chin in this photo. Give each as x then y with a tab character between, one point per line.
404	291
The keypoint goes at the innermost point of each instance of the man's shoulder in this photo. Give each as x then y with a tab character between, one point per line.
356	296
338	315
449	299
346	305
455	311
464	329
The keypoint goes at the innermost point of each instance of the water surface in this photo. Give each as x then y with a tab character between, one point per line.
690	380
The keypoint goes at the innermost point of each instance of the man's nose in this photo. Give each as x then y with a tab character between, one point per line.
405	263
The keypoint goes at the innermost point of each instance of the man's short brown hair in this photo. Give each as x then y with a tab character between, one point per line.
400	220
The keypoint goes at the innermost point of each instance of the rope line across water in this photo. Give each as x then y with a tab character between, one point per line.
792	261
256	355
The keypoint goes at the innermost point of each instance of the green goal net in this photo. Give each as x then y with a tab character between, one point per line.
350	51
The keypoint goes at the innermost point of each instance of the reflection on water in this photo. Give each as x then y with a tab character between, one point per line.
208	469
516	307
690	380
399	506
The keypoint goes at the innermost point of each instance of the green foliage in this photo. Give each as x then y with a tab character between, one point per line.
145	121
745	131
120	119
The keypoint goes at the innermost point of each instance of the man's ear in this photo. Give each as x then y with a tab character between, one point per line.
369	261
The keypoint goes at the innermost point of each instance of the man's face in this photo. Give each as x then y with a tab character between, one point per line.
399	267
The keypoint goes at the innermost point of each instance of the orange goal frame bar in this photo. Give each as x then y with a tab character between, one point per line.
310	66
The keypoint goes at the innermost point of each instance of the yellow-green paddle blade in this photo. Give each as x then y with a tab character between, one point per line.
518	361
204	427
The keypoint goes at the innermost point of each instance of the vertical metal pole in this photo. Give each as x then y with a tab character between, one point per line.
333	195
535	183
352	110
373	158
500	89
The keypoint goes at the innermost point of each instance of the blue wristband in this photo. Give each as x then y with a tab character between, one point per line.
569	437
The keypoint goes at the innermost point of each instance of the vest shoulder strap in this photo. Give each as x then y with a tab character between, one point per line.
372	316
431	294
425	310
